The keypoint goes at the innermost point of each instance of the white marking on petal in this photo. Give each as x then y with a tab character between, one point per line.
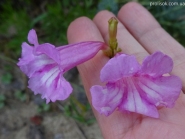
161	103
149	92
47	75
135	102
138	101
111	92
154	86
105	109
118	97
59	82
131	70
104	91
114	92
43	60
52	77
130	97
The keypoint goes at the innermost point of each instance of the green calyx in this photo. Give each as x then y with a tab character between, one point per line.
113	44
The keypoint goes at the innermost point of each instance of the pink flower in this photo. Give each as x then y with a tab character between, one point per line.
45	65
134	87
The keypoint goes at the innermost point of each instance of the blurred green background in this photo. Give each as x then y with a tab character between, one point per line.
50	18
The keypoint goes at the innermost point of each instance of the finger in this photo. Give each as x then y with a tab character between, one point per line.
83	29
151	36
126	41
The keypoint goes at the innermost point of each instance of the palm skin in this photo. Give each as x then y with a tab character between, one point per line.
138	34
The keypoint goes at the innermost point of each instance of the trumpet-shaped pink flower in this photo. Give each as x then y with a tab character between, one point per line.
45	65
134	87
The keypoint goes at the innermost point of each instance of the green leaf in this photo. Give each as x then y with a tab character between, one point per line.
46	107
6	78
2	105
2	98
20	96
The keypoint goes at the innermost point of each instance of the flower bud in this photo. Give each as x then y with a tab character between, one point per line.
112	28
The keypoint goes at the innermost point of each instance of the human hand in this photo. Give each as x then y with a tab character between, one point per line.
138	34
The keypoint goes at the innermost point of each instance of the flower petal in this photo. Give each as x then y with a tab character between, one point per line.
62	90
32	37
118	67
49	50
46	55
162	91
75	54
132	100
50	84
106	99
157	64
40	63
26	55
